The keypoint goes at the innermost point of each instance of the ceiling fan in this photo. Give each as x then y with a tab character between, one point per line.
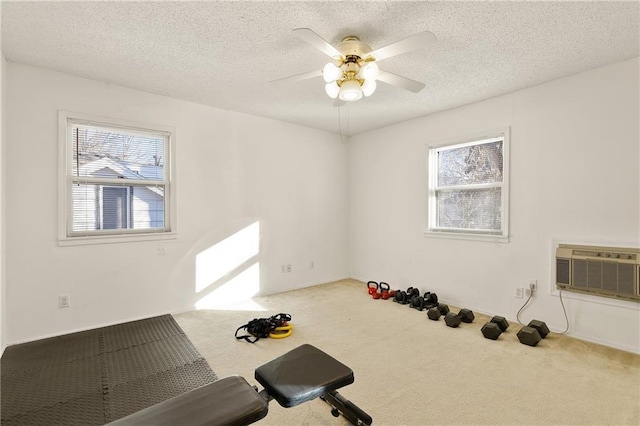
353	69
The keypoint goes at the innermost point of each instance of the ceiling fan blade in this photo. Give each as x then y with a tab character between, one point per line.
315	40
399	81
416	41
298	77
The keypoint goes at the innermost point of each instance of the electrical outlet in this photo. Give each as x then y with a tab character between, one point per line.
519	293
533	287
282	269
64	301
289	267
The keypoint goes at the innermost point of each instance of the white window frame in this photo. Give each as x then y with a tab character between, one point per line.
65	163
433	230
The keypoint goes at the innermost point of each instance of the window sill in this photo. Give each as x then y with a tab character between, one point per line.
110	239
466	236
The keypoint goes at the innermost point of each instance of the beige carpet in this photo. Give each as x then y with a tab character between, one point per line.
413	371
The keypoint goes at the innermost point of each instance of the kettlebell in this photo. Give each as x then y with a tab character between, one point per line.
385	290
372	287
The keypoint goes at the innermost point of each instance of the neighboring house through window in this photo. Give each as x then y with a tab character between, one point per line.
115	207
468	193
116	179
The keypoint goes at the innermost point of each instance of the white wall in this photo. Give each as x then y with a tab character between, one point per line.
574	162
575	155
232	170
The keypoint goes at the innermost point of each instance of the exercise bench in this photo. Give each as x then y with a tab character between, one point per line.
300	375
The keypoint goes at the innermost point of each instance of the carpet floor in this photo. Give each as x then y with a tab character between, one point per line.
100	375
410	370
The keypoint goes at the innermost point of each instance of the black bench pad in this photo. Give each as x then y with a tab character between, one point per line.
230	401
301	375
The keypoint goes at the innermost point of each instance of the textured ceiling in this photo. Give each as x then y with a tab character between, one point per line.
224	54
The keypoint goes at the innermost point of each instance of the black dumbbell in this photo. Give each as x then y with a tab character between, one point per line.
454	320
404	297
501	321
466	315
529	336
434	314
542	328
491	330
495	327
444	309
428	301
534	332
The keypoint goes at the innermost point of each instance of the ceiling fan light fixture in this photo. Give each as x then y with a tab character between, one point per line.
350	91
369	71
331	72
332	89
368	87
353	70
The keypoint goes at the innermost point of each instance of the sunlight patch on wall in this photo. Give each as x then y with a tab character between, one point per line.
224	257
235	293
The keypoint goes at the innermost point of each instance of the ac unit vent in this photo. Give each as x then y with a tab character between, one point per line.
604	271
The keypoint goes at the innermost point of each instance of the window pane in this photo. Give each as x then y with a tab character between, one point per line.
97	207
115	209
148	207
475	164
470	209
85	208
108	153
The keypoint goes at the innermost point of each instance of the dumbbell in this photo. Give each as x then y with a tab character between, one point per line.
429	300
454	320
444	309
542	328
495	327
437	311
532	333
404	297
383	291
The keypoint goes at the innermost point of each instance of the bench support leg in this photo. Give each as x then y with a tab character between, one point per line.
350	411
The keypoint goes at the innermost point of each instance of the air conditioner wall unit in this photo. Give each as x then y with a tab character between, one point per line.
603	271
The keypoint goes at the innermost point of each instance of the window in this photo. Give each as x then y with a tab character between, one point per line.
468	188
115	180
